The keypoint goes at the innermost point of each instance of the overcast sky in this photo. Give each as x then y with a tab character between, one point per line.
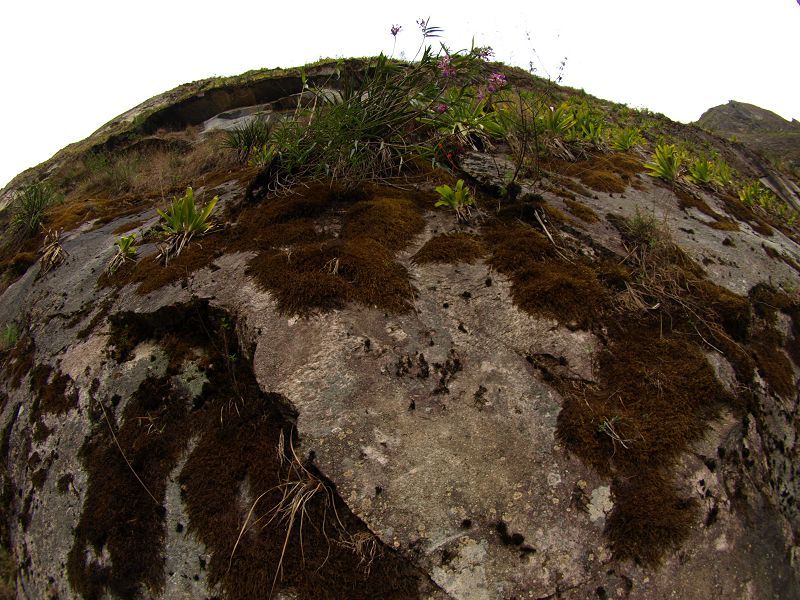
68	67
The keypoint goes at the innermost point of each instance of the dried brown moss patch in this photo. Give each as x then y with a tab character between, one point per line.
53	393
151	434
656	394
736	209
21	262
300	258
18	360
315	565
515	242
451	248
688	199
624	164
234	467
609	174
543	284
151	273
130	226
773	363
602	181
580	210
531	208
73	213
651	516
724	307
326	275
724	224
392	222
570	293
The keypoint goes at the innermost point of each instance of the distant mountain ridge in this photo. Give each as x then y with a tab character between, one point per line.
760	129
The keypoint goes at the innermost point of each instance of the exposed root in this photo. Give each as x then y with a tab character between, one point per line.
300	486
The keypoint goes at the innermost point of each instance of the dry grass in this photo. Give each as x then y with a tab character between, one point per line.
299	488
157	170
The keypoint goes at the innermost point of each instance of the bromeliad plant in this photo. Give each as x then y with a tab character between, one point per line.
625	139
183	220
723	174
701	171
126	251
462	118
588	126
458	199
667	161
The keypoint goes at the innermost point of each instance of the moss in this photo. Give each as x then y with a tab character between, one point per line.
597	172
541	283
21	262
50	392
734	207
325	276
130	226
567	292
73	213
767	301
18	361
773	364
451	248
304	264
724	224
613	275
624	164
602	181
724	307
655	396
580	210
650	517
131	532
389	221
574	186
513	243
237	429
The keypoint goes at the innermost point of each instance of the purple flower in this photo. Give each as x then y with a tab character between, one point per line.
445	67
440	108
497	81
395	29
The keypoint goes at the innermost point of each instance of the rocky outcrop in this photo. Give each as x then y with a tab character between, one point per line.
350	394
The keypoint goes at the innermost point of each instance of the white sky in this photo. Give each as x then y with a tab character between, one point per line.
68	67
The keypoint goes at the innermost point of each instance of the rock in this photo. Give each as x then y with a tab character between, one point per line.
533	423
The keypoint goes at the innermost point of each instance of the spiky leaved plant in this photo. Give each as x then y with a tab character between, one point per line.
667	161
183	220
459	199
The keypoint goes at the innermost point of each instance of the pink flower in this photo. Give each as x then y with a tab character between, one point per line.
497	80
445	67
395	29
440	108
